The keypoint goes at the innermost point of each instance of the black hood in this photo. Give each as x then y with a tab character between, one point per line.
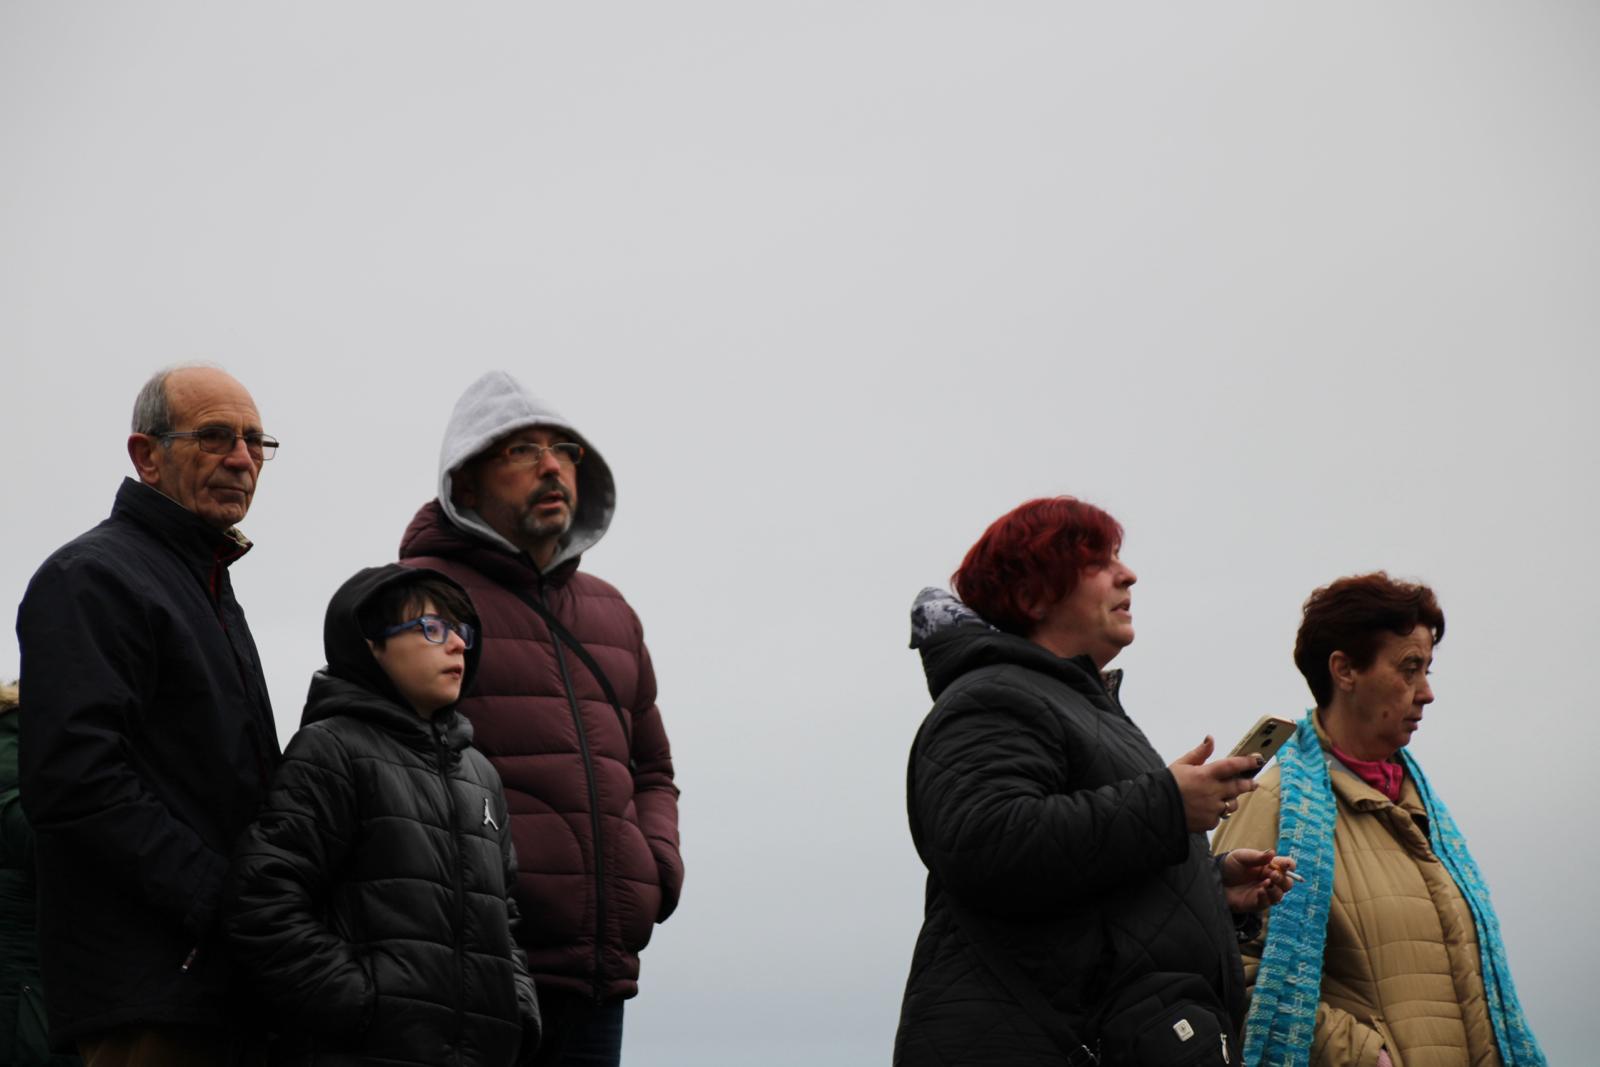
950	654
350	659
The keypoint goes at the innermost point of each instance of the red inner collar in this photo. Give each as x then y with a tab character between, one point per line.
1385	776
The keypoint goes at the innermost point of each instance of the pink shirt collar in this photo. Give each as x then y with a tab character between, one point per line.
1385	776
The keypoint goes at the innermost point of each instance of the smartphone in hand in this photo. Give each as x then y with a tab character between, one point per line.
1266	737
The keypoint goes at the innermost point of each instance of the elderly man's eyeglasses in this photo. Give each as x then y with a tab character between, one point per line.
529	454
436	629
219	440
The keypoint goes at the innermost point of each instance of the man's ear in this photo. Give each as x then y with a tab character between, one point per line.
142	450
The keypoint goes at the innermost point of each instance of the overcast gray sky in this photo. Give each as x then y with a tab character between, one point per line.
1292	292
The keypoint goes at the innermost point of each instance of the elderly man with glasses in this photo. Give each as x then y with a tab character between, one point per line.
147	739
564	705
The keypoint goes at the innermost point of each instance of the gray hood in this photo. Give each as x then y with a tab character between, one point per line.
935	611
496	405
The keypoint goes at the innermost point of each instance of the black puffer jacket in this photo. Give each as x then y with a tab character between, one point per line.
1053	833
369	903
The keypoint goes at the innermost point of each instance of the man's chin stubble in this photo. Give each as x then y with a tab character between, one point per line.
546	531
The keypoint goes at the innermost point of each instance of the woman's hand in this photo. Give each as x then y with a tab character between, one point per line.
1210	791
1253	879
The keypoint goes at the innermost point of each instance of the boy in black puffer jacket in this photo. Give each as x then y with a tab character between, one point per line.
369	901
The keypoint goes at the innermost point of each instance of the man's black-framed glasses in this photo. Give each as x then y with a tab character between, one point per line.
219	441
530	454
435	628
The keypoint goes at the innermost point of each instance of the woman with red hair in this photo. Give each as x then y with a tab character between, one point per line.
1072	909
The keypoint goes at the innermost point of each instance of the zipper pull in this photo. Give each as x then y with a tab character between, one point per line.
188	961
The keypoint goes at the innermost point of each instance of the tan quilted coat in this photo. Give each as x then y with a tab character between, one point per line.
1401	967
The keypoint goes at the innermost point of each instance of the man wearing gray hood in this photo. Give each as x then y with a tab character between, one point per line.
563	706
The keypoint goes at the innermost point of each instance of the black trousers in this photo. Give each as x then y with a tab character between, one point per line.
578	1032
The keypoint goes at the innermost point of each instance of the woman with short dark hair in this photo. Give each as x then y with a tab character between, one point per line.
1072	905
1389	953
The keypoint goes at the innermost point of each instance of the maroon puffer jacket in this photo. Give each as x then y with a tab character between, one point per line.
597	847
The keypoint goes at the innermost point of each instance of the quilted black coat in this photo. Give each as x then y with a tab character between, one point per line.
1054	834
369	903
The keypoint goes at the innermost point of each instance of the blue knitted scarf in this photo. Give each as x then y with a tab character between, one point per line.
1283	1007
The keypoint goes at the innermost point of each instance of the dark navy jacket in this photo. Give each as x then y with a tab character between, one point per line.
147	742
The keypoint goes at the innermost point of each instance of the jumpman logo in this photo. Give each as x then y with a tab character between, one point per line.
488	819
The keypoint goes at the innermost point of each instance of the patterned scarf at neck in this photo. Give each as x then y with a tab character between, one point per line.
1283	1006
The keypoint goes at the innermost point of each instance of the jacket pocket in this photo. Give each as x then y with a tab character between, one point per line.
1388	1043
1165	1019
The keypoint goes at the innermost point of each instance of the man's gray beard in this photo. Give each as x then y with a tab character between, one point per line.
536	529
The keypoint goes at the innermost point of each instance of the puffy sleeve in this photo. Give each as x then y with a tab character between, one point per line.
655	794
278	886
998	817
527	995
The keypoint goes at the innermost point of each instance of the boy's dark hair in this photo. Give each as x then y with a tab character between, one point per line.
402	601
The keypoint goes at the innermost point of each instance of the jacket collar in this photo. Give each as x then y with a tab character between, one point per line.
188	534
432	533
331	696
952	653
1349	787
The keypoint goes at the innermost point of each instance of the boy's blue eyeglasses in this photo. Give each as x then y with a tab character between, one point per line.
435	629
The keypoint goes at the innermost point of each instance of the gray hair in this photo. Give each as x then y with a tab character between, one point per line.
152	411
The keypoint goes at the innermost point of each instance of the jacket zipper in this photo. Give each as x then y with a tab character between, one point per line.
458	919
264	765
594	816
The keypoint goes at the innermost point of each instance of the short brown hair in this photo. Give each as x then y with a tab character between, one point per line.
1351	616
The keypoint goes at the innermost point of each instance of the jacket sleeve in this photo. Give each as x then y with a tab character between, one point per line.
996	815
90	667
1254	824
278	888
1342	1040
527	995
16	836
655	796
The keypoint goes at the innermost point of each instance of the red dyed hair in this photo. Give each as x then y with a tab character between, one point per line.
1034	554
1351	616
